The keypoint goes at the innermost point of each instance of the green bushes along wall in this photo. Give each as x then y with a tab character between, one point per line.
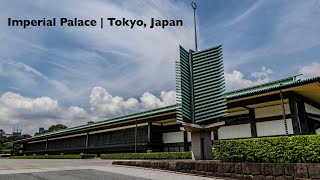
156	155
284	149
68	156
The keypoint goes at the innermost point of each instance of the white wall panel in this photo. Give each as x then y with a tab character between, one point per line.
189	136
173	137
212	136
235	131
272	128
311	109
271	111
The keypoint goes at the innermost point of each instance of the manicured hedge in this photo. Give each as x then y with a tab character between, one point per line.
7	151
284	149
68	156
155	155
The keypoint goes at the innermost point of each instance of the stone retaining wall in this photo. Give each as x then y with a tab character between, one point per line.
270	171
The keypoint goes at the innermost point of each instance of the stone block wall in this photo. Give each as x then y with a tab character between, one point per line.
270	171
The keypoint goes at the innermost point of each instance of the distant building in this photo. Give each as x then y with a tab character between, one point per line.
41	130
16	132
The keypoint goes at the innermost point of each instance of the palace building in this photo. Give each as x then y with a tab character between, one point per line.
285	107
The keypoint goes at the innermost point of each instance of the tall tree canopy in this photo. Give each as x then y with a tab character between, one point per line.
56	127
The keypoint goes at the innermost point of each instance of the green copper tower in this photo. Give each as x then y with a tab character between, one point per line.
201	86
200	92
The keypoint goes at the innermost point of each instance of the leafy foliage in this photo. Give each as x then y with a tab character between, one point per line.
25	136
56	127
284	149
6	142
156	155
52	128
7	151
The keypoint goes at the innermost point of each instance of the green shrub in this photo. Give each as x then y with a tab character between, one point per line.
88	156
69	156
7	151
284	149
155	155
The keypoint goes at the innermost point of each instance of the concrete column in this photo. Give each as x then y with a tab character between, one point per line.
201	145
87	139
46	144
307	127
294	116
185	141
215	134
149	134
253	123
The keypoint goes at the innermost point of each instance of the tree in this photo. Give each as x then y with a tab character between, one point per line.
14	138
56	127
25	136
39	133
3	141
7	142
52	128
8	145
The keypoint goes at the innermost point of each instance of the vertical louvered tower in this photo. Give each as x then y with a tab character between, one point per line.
200	86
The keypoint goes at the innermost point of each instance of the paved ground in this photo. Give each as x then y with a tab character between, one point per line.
70	175
97	169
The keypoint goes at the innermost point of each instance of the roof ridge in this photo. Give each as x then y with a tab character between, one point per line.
284	80
109	120
269	86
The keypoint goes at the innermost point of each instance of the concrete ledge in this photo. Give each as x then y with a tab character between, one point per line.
272	171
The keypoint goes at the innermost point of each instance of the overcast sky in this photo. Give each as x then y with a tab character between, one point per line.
73	75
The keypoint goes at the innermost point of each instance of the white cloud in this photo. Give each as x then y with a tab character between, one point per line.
103	104
28	114
236	79
17	111
168	98
149	100
311	70
77	112
15	104
262	76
